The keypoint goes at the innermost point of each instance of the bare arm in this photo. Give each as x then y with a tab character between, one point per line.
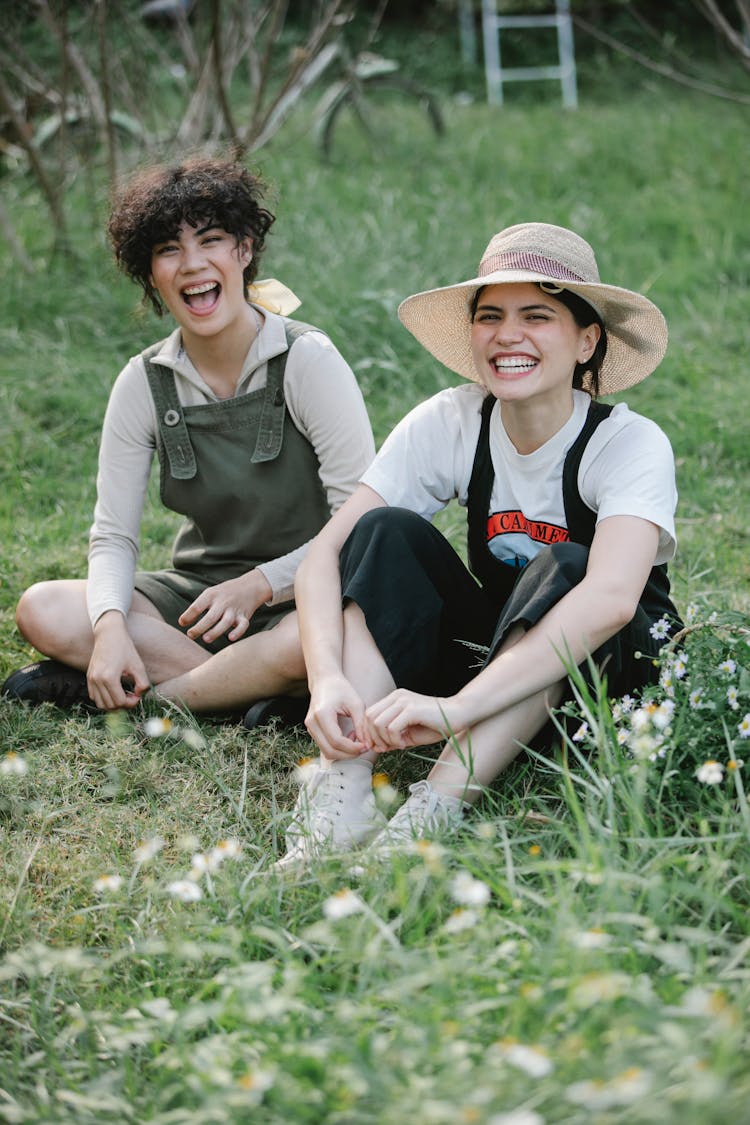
620	560
318	594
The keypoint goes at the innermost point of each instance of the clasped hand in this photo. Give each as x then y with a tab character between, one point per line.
226	608
343	728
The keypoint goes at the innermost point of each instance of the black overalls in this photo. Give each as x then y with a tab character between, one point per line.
436	627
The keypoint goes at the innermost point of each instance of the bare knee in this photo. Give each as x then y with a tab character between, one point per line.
52	616
33	610
288	655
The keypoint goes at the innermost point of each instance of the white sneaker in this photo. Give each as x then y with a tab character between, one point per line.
335	809
424	813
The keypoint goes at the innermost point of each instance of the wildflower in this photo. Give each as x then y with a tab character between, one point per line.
695	699
641	719
185	889
517	1117
732	694
429	852
710	773
691	613
623	1089
623	737
662	716
159	1009
305	768
107	884
644	746
227	849
660	629
667	682
597	988
464	918
468	891
581	733
744	726
157	728
192	738
385	794
256	1082
13	765
147	849
202	863
735	764
535	849
680	665
532	1060
591	939
342	904
728	667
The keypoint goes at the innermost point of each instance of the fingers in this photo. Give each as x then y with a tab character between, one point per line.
403	719
118	688
215	622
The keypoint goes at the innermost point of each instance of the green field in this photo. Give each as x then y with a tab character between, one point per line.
606	977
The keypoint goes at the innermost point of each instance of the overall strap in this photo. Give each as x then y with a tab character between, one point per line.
480	492
170	417
580	519
271	430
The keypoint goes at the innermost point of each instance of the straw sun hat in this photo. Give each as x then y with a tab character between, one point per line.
538	252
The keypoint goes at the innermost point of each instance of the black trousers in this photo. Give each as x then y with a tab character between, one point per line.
435	626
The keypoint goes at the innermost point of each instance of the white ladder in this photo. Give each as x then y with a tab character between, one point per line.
496	75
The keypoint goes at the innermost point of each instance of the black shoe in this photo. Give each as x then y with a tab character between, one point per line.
49	681
286	710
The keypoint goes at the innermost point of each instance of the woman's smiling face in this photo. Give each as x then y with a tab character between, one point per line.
526	344
199	277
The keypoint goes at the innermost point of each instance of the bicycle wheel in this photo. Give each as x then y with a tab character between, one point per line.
378	108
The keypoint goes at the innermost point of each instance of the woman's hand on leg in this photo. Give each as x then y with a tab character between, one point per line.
226	608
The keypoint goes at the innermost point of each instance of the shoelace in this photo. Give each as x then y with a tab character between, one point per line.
421	810
319	807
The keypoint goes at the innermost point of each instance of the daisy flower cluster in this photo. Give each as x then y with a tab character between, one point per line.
692	727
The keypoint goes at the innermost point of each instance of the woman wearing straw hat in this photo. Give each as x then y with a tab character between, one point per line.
570	522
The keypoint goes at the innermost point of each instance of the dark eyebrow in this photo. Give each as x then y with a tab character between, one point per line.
524	308
208	227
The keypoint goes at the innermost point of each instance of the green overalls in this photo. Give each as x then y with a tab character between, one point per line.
246	480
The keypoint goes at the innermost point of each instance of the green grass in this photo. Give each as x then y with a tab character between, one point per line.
606	979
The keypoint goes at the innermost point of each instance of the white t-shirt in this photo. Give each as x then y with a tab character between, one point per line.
324	402
627	469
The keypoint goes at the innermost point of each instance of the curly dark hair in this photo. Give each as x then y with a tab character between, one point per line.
585	375
157	200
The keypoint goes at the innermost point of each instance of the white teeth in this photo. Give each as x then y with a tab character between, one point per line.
514	364
194	290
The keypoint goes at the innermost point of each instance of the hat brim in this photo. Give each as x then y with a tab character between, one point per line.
636	330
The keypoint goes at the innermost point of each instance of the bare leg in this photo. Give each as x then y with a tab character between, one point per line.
363	666
473	760
268	663
53	617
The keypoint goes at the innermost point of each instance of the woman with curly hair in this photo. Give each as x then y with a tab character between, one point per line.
261	433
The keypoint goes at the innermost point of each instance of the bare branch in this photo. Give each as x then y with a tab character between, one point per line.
739	41
104	70
660	68
51	194
78	63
